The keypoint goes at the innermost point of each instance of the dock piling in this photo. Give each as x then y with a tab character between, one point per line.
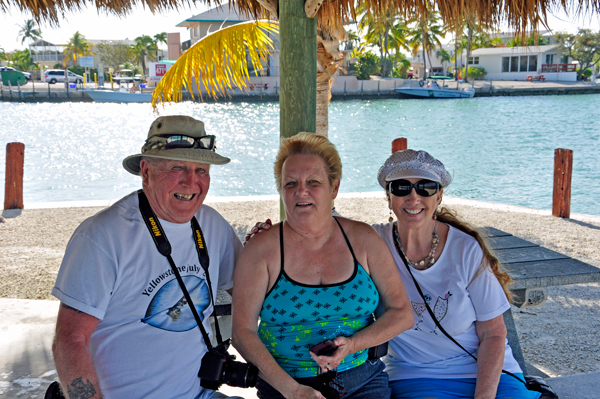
399	144
561	193
13	184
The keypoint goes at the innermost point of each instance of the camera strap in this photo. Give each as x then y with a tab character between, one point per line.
437	323
164	247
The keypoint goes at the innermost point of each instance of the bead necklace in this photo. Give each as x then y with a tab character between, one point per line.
429	260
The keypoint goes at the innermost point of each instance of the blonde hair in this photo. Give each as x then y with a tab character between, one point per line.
449	217
309	144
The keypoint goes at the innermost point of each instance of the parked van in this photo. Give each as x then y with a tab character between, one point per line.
58	75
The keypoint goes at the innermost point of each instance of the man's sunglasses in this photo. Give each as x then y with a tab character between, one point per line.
181	141
425	188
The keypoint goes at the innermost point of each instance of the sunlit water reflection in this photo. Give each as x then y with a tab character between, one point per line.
498	149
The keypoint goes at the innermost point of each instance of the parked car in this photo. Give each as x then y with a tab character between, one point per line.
7	68
58	75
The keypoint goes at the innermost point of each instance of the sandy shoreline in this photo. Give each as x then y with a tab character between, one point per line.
559	338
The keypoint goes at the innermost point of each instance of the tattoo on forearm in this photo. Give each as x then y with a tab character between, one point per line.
70	308
81	390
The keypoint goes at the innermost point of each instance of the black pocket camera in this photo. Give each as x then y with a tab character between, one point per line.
219	367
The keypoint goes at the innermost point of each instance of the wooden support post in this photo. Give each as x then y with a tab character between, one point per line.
298	71
399	144
561	194
13	183
298	61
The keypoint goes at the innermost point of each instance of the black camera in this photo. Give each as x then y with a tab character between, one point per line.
219	367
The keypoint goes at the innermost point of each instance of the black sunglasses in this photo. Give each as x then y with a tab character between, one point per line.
324	379
182	141
425	188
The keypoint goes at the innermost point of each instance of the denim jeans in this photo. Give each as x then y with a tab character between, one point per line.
363	382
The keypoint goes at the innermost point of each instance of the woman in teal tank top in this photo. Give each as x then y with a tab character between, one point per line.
315	278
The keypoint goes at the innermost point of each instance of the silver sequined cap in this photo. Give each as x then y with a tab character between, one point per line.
410	164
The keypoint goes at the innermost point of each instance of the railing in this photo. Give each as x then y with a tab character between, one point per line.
47	57
559	68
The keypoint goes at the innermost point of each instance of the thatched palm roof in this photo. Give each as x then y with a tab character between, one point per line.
518	13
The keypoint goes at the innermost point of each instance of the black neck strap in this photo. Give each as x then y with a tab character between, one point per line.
164	247
396	238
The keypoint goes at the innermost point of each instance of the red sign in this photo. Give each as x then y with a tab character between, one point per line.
161	69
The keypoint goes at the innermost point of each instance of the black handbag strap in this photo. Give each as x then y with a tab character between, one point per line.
437	323
164	247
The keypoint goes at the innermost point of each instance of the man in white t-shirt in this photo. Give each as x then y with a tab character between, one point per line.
124	328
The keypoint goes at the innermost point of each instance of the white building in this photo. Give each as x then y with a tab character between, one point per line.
219	17
516	63
435	66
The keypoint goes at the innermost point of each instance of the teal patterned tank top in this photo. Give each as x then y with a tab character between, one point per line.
296	316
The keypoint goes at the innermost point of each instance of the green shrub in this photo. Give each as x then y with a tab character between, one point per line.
402	66
475	73
367	65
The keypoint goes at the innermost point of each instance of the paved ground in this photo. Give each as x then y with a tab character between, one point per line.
26	364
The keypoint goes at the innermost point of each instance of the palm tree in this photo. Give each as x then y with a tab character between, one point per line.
160	38
29	31
425	33
144	47
217	62
398	40
378	29
473	28
77	47
444	56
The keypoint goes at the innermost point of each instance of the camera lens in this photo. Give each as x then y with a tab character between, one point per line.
238	374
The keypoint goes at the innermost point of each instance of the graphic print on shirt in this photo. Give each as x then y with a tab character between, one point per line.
439	310
169	310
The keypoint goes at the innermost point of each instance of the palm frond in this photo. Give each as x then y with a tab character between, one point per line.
217	62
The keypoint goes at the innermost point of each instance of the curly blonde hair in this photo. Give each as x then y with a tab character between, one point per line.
309	144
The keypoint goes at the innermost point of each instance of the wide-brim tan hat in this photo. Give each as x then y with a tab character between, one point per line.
155	146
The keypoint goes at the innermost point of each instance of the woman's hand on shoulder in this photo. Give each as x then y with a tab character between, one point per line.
258	227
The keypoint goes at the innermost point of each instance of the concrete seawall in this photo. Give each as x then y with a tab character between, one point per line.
42	92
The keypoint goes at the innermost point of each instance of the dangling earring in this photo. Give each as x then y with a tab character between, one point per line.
434	217
391	219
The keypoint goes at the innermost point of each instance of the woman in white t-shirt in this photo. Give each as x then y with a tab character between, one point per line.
462	283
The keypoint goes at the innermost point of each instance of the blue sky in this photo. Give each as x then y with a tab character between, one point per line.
141	22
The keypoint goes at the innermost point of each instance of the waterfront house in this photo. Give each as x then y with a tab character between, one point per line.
517	63
435	66
222	16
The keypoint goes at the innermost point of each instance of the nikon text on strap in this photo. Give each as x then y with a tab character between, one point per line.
164	247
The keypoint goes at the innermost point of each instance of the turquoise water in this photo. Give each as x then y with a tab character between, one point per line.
498	149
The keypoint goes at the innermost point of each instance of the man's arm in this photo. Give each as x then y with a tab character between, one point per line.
72	357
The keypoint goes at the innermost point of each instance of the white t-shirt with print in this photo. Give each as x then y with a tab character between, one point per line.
147	344
458	299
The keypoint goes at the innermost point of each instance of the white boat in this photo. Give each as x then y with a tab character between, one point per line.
109	96
432	90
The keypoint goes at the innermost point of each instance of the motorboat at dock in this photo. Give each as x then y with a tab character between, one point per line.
120	96
433	90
